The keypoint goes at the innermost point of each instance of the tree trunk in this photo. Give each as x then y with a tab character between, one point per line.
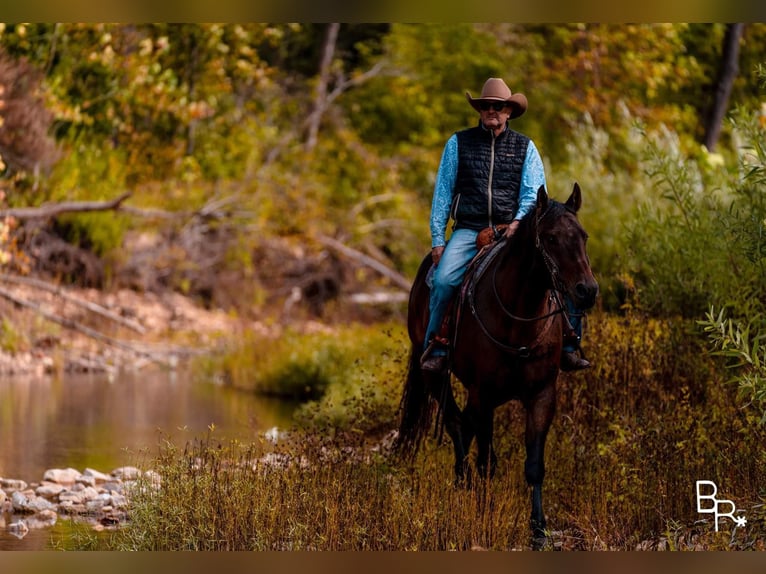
726	75
320	97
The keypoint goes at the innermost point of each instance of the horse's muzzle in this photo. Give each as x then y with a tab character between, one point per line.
585	293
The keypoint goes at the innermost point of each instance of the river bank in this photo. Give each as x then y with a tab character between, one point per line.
90	378
72	330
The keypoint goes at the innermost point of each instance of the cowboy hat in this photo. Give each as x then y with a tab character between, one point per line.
496	90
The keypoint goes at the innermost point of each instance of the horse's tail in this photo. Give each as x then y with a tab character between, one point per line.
416	408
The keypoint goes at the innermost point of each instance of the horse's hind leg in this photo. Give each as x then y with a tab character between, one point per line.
453	424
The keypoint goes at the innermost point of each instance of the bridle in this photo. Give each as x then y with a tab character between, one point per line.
524	351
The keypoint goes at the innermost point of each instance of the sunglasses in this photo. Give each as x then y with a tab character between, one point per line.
497	106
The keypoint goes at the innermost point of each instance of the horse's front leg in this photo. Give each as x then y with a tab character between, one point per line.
540	412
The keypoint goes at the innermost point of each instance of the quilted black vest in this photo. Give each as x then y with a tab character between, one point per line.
488	177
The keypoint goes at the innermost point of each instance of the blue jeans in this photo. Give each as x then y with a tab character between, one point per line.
447	276
575	320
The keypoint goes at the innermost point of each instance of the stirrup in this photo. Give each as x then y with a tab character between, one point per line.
434	363
435	357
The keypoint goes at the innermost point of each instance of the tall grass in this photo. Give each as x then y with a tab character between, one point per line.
630	439
321	498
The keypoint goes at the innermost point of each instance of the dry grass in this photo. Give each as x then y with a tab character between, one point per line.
631	438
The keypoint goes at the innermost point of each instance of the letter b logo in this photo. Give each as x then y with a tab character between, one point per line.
714	504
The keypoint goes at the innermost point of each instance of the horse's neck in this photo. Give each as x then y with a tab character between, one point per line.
522	280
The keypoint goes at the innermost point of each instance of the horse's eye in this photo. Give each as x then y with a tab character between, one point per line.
552	239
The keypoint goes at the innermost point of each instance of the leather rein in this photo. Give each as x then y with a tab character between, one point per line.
524	351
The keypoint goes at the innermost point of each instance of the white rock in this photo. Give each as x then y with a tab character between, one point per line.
86	480
113	486
50	489
119	501
61	475
154	478
39	504
127	473
79	496
10	484
23	503
69	507
19	501
98	476
94	505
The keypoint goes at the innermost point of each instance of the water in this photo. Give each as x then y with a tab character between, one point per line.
92	421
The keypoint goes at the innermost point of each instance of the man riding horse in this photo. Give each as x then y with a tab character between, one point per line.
489	176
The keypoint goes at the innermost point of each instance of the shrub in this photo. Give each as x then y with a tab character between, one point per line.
347	379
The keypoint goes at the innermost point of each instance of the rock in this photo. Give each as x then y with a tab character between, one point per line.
29	504
86	480
3	496
39	504
154	478
112	486
49	489
93	506
69	507
61	476
10	484
19	501
127	473
80	496
99	477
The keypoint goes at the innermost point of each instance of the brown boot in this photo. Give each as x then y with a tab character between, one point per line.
435	357
571	361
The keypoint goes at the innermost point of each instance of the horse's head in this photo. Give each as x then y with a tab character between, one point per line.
561	241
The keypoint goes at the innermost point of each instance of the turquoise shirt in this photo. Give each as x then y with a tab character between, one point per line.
532	177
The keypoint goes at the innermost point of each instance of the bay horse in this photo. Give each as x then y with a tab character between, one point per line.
507	334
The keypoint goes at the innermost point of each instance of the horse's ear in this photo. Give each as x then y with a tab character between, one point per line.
542	199
575	200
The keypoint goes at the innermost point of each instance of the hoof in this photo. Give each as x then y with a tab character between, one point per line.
464	479
541	539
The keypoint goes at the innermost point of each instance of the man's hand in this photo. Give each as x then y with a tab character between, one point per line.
512	227
436	254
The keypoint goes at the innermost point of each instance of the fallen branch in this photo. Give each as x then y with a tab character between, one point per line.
57	290
378	298
54	209
360	257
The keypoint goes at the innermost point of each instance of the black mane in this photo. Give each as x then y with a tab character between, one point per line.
528	224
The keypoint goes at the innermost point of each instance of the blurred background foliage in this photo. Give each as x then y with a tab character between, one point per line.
245	145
